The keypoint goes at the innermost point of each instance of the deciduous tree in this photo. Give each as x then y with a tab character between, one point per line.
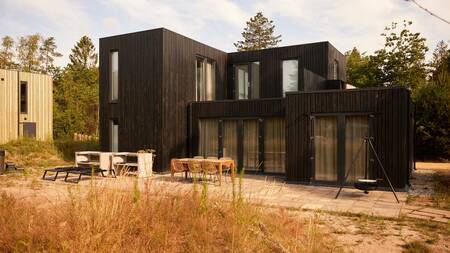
7	53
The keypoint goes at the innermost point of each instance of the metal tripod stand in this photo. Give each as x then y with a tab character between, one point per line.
368	141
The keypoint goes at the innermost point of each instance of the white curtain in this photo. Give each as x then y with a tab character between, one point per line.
250	143
274	145
208	137
229	139
210	86
325	148
356	128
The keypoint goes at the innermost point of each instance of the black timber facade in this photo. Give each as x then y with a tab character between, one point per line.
157	106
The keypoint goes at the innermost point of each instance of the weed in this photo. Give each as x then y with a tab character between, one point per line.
416	247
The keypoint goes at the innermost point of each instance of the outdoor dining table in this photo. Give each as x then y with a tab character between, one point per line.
219	162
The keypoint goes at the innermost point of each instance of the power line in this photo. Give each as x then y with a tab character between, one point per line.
431	13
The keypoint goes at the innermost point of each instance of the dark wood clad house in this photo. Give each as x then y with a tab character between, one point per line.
282	110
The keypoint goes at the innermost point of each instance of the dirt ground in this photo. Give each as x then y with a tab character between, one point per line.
351	232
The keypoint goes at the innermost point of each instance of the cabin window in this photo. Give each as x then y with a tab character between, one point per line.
290	76
247	80
114	142
23	97
208	137
205	70
335	69
114	75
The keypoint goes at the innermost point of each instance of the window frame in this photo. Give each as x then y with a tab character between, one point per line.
110	83
283	92
112	122
23	109
205	60
250	84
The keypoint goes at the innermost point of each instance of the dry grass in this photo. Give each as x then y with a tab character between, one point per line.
107	220
441	194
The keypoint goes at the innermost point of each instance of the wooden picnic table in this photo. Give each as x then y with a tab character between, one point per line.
219	162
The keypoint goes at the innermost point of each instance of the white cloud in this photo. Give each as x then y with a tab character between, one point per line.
345	23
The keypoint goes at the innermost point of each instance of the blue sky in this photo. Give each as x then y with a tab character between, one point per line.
345	23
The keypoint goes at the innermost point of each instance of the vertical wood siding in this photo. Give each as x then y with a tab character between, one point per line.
138	109
392	137
39	105
9	106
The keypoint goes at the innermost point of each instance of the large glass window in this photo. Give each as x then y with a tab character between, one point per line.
250	145
208	137
114	75
114	142
241	81
254	82
274	145
326	148
335	69
23	97
290	75
205	70
246	80
356	129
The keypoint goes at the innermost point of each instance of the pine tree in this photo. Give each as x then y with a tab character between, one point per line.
7	53
258	34
83	54
48	53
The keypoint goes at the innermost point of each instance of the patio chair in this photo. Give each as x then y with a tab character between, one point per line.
178	167
226	169
195	168
210	169
211	158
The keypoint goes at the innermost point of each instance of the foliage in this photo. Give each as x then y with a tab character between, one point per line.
33	53
433	112
67	147
76	100
48	53
402	62
359	69
32	154
28	53
7	53
83	54
258	34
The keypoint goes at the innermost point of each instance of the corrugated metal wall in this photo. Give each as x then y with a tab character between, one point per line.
40	105
8	105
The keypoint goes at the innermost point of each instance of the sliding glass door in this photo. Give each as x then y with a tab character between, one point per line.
274	145
356	129
339	148
209	134
250	145
326	149
230	139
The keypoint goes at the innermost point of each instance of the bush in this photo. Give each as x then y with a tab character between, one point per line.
433	120
67	147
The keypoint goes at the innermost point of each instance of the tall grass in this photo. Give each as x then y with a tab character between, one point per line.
101	219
